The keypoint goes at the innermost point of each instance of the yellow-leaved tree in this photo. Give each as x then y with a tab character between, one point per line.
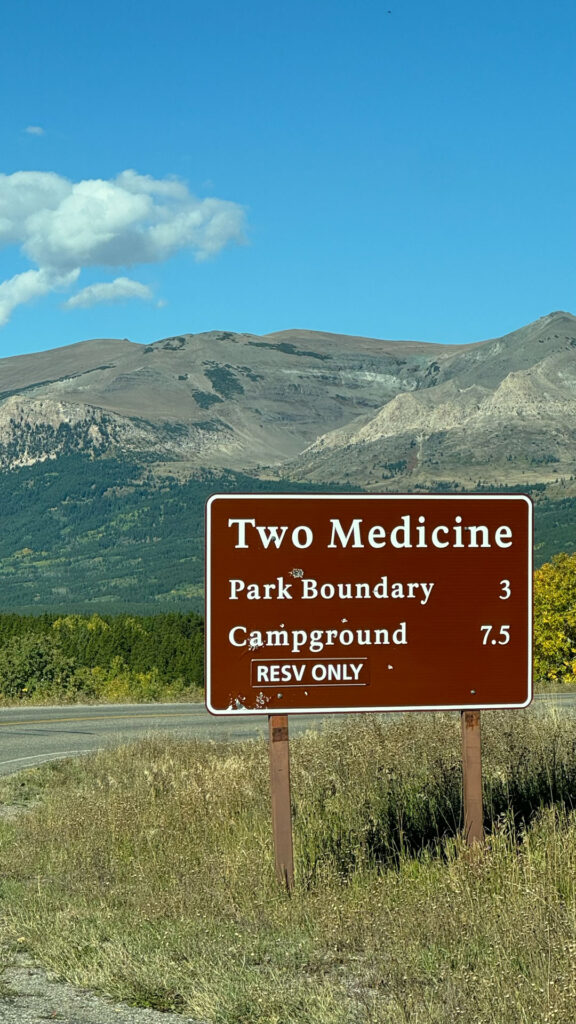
555	621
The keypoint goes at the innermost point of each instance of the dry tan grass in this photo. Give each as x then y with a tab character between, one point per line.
147	872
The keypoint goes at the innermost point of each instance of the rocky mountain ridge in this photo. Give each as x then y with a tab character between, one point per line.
304	404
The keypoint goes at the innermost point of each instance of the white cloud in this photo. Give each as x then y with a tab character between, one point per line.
34	129
32	284
64	226
109	291
22	195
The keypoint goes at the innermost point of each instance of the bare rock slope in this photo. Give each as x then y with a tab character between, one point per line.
500	411
314	406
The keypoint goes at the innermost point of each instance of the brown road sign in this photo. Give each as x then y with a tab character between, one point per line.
346	602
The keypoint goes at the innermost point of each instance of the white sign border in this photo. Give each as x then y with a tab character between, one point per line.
275	495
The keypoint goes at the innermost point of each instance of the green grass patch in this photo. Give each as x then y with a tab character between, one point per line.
147	873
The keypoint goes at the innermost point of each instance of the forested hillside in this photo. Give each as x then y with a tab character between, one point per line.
98	535
86	535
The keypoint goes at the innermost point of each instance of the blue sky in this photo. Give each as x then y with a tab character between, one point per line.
325	165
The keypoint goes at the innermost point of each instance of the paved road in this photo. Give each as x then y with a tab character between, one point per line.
32	735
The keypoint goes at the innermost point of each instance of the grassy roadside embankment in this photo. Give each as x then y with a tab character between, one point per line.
147	872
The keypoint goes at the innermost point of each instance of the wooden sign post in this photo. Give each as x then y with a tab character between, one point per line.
472	777
280	794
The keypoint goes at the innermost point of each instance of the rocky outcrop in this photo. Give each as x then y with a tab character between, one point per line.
306	404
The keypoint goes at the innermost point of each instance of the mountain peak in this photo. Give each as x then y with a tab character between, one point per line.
562	313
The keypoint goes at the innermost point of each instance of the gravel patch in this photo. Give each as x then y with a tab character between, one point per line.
8	812
31	996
